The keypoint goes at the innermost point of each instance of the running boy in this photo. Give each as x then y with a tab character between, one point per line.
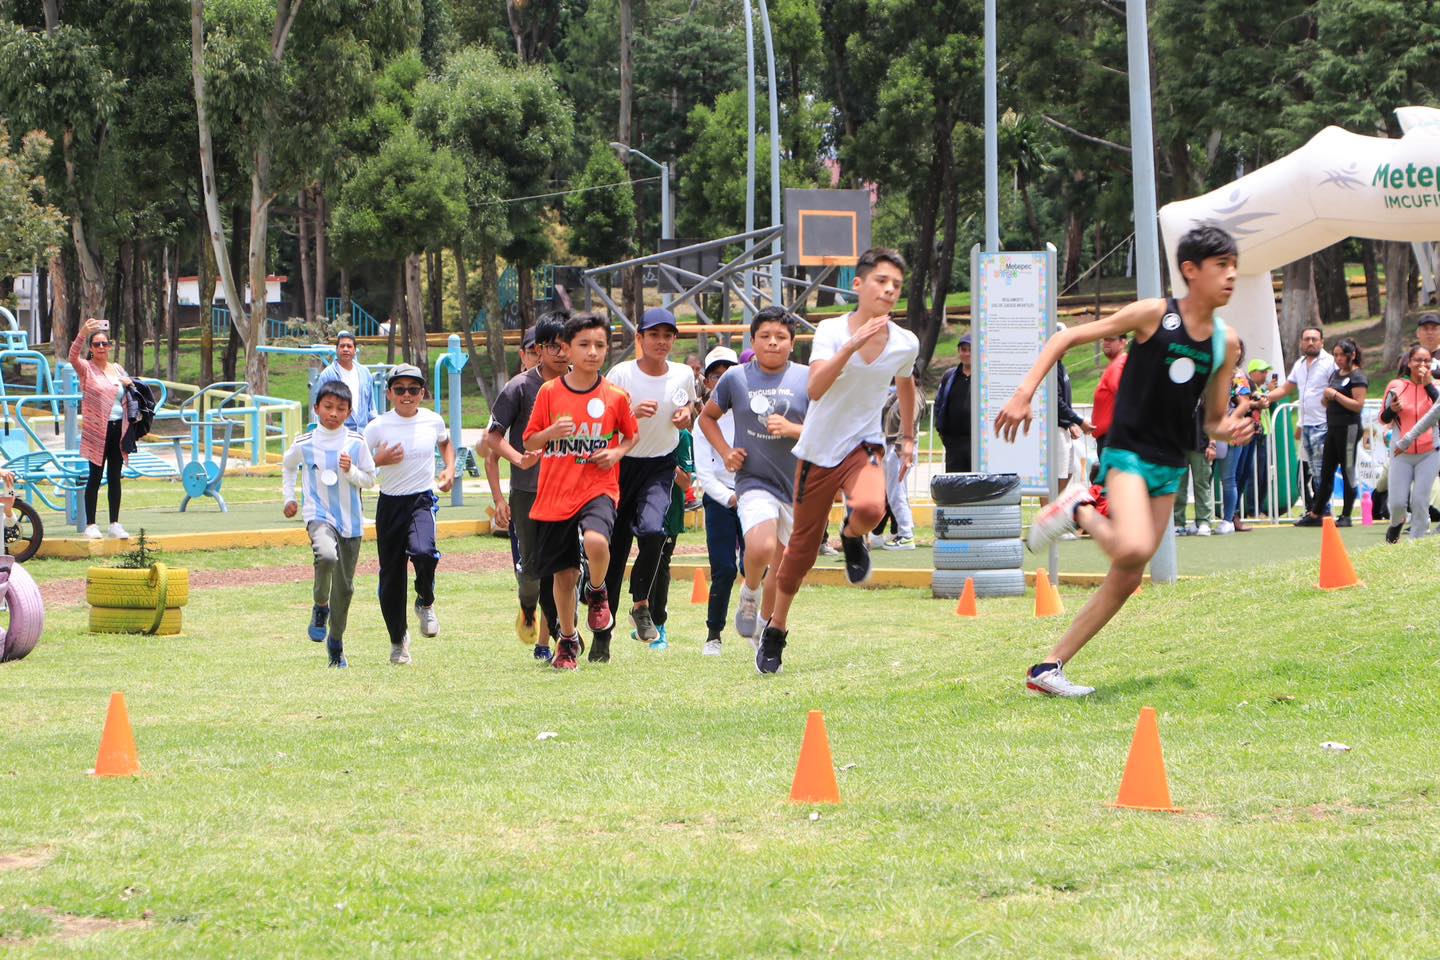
768	399
661	394
506	438
337	467
403	443
674	526
1182	354
852	361
584	425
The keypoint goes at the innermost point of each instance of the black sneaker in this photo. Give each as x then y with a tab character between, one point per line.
857	559
645	629
1342	521
1309	520
772	649
600	648
1392	533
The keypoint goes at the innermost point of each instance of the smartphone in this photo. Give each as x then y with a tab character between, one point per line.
105	325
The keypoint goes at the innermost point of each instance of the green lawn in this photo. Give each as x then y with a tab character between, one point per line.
288	809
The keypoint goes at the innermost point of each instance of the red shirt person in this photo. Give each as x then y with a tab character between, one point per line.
1104	409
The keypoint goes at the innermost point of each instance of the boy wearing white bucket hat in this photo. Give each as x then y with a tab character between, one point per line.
336	466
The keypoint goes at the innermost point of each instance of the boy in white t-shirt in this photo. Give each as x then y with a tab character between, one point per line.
403	443
842	444
334	465
662	394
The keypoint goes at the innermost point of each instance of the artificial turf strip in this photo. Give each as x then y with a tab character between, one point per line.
292	810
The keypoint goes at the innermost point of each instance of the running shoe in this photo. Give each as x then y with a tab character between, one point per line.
874	540
645	630
319	617
826	550
527	627
600	617
1184	531
1308	520
1224	528
1058	517
747	611
1050	681
543	653
599	648
661	643
340	664
400	652
899	542
336	648
712	646
857	559
1339	522
771	650
429	623
1392	533
1203	530
567	655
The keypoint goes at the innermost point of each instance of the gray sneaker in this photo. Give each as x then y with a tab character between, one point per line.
429	623
746	611
400	652
712	647
645	629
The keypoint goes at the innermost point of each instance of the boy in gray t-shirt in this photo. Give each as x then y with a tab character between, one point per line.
769	397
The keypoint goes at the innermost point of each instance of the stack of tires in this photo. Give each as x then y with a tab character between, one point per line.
977	534
147	600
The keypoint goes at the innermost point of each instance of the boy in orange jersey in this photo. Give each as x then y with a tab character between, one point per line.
584	424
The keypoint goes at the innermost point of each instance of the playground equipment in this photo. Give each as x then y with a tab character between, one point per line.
203	476
450	363
20	598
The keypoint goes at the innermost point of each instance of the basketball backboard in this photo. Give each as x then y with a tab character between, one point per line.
826	228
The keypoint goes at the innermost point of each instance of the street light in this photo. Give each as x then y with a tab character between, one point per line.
667	228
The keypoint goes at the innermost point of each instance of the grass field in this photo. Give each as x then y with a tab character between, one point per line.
291	810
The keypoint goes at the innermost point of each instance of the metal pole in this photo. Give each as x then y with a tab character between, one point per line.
776	269
992	137
1164	567
749	153
455	361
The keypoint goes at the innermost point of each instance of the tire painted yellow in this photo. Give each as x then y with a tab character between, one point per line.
131	589
131	620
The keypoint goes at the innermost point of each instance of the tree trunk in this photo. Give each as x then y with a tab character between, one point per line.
257	368
627	70
919	278
415	303
59	303
435	267
1396	260
1372	278
124	323
1331	287
205	284
1298	306
343	318
155	303
397	311
172	313
945	261
526	287
1074	240
42	300
494	322
462	283
322	214
302	255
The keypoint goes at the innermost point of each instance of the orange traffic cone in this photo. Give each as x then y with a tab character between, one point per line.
700	593
966	607
1336	572
1144	786
815	773
118	757
1047	598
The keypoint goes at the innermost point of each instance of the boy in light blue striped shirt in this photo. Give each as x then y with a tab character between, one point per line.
336	465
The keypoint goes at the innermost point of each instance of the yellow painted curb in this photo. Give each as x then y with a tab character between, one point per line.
78	548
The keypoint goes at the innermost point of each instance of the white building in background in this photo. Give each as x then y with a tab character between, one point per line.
189	291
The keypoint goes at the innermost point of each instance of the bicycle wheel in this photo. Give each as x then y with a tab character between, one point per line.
23	539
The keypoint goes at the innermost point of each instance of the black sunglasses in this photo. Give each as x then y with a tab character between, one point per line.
99	343
408	391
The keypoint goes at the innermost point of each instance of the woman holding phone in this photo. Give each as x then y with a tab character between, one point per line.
1344	400
1412	473
104	417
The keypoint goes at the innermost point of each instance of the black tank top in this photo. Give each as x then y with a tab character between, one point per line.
1163	382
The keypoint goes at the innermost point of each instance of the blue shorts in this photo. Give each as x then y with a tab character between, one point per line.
1160	481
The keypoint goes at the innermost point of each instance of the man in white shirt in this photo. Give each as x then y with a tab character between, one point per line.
1309	377
723	540
403	444
354	375
663	394
842	446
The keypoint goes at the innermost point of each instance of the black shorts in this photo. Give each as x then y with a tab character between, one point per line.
557	542
645	484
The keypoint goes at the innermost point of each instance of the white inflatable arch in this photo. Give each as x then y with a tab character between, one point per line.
1338	185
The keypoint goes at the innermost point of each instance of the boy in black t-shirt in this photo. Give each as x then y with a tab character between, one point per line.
1182	354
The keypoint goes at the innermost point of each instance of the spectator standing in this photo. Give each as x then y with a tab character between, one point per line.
1199	457
1344	400
349	371
1103	412
952	411
104	418
1309	376
1412	472
897	497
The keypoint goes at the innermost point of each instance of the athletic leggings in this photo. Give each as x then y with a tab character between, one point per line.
1339	452
862	476
116	462
1411	477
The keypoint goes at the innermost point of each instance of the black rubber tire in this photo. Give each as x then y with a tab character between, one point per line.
24	539
979	554
953	489
978	522
947	584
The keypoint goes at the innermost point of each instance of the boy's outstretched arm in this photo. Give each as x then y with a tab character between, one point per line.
1140	318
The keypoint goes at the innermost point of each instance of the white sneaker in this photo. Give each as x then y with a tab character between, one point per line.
1053	683
747	610
92	532
712	648
1203	530
900	542
429	623
875	540
1224	527
400	652
117	532
1058	517
826	550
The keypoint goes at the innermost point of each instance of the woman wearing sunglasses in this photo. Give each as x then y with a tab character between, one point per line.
104	418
